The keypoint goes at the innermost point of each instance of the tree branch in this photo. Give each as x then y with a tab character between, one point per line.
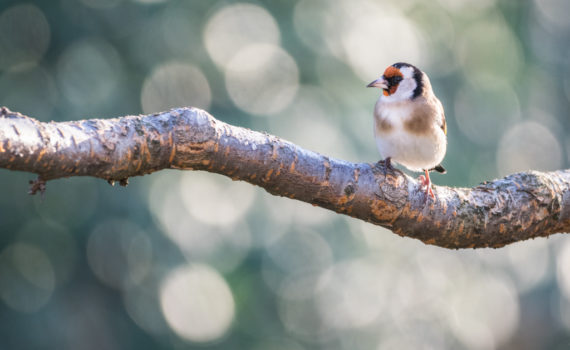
518	207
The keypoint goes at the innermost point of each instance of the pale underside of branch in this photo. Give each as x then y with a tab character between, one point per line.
517	207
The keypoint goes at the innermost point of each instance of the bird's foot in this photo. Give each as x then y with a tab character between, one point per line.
425	181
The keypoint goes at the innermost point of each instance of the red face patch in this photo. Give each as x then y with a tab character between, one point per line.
389	75
392	72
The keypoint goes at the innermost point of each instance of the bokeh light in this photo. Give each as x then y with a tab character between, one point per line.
72	203
352	294
368	36
490	48
29	89
310	22
24	36
378	37
174	85
485	109
119	253
554	12
526	146
262	79
299	251
219	237
27	279
484	320
181	26
214	200
562	271
293	263
56	242
197	303
301	319
287	212
437	47
530	264
89	72
143	305
294	125
234	27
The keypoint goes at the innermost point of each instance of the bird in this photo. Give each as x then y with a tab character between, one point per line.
409	122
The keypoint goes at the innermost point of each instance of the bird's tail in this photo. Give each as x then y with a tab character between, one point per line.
439	169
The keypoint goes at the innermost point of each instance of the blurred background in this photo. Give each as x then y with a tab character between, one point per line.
191	260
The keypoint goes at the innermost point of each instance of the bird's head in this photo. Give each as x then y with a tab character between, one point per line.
400	81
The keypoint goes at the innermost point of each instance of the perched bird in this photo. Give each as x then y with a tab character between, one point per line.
409	122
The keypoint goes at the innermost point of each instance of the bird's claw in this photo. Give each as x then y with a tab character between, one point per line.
426	182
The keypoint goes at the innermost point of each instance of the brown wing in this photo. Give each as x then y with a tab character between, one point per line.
426	114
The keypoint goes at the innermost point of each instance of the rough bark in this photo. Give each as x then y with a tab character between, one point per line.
518	207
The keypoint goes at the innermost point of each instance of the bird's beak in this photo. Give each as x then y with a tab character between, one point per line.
379	83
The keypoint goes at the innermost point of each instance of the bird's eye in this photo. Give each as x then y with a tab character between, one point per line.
395	80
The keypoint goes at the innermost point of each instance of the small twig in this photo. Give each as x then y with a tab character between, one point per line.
36	185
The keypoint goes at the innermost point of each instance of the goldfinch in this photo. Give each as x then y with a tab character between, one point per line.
409	122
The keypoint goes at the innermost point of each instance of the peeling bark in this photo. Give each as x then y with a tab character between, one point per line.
518	207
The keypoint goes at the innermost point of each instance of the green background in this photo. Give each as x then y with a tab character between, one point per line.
193	260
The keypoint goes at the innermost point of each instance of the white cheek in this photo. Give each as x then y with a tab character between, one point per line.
407	72
407	85
400	95
404	92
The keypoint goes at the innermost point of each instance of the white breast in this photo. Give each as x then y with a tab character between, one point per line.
415	152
